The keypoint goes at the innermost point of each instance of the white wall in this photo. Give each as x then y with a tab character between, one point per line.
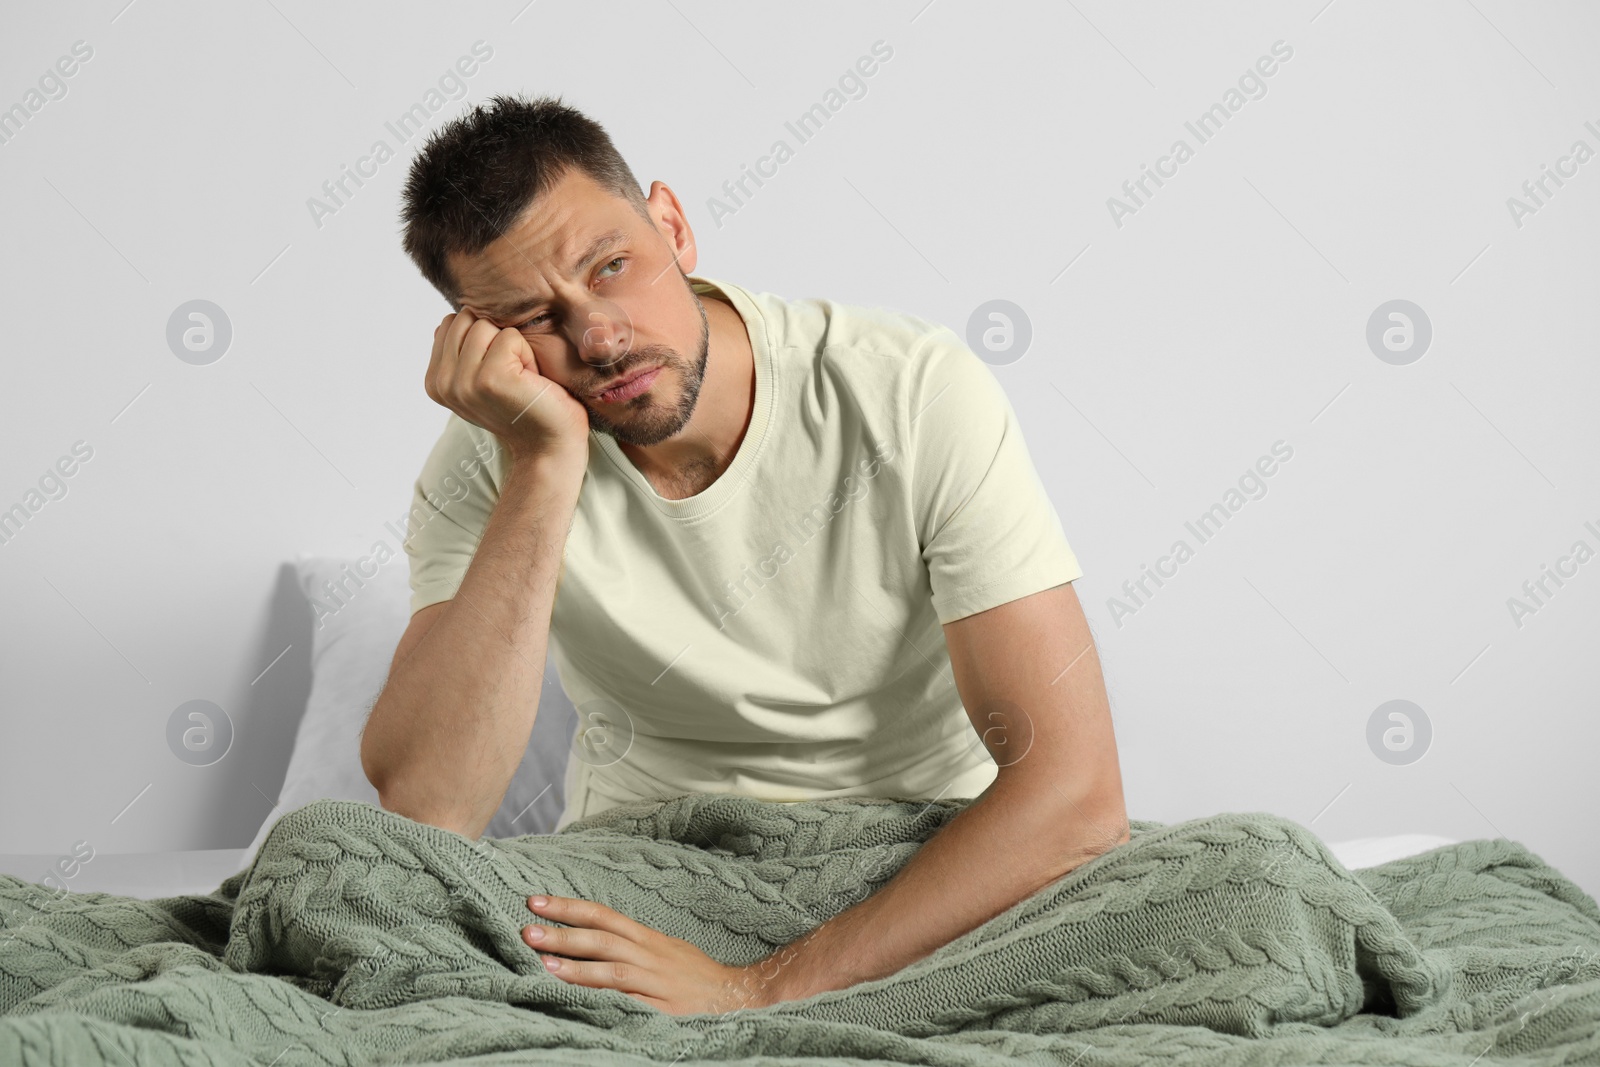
1227	313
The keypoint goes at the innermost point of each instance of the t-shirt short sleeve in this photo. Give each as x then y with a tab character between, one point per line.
450	506
988	531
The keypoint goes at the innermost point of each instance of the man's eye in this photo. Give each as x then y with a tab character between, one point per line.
544	314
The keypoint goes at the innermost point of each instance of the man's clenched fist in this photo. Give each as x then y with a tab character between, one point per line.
490	377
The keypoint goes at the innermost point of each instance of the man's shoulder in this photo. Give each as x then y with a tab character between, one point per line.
855	333
463	450
459	435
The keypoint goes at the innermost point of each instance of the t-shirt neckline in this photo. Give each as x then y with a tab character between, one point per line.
730	480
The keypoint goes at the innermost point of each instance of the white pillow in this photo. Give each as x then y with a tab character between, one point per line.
355	630
1371	851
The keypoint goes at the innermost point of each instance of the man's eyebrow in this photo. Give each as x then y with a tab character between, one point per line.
597	248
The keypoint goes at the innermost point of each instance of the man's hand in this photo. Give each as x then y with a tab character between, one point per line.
604	949
490	377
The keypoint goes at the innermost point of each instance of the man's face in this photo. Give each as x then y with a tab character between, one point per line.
594	289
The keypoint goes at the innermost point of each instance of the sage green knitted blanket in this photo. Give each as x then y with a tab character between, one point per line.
358	936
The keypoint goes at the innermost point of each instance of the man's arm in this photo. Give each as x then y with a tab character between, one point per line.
1030	678
453	720
450	726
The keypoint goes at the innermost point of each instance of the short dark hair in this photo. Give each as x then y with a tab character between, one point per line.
476	176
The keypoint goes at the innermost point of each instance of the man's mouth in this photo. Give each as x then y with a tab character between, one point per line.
629	387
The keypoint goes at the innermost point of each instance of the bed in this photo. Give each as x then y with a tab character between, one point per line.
355	935
346	934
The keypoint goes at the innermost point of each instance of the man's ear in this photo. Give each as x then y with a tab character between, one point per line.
669	219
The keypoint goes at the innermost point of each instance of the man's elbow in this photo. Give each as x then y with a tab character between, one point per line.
405	795
1093	821
398	796
1101	827
390	796
375	763
370	767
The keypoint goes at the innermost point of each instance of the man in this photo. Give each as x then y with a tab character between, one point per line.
745	522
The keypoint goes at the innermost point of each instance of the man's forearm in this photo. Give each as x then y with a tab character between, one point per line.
453	720
1022	834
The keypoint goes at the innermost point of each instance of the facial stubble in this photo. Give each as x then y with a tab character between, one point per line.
649	422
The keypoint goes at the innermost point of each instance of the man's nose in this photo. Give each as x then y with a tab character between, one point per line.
601	331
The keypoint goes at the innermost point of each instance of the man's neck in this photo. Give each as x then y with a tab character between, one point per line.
692	459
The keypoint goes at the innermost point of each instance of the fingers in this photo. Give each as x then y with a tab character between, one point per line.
444	366
475	362
510	352
471	344
585	944
432	378
602	974
520	348
588	913
599	949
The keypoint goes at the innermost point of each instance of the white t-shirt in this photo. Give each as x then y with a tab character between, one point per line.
779	634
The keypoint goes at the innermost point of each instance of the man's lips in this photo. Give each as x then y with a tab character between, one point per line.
630	386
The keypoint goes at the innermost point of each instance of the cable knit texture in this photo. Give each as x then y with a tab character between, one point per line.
358	936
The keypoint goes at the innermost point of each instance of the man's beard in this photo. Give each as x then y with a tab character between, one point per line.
649	422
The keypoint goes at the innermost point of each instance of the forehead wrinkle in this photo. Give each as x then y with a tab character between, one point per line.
597	248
